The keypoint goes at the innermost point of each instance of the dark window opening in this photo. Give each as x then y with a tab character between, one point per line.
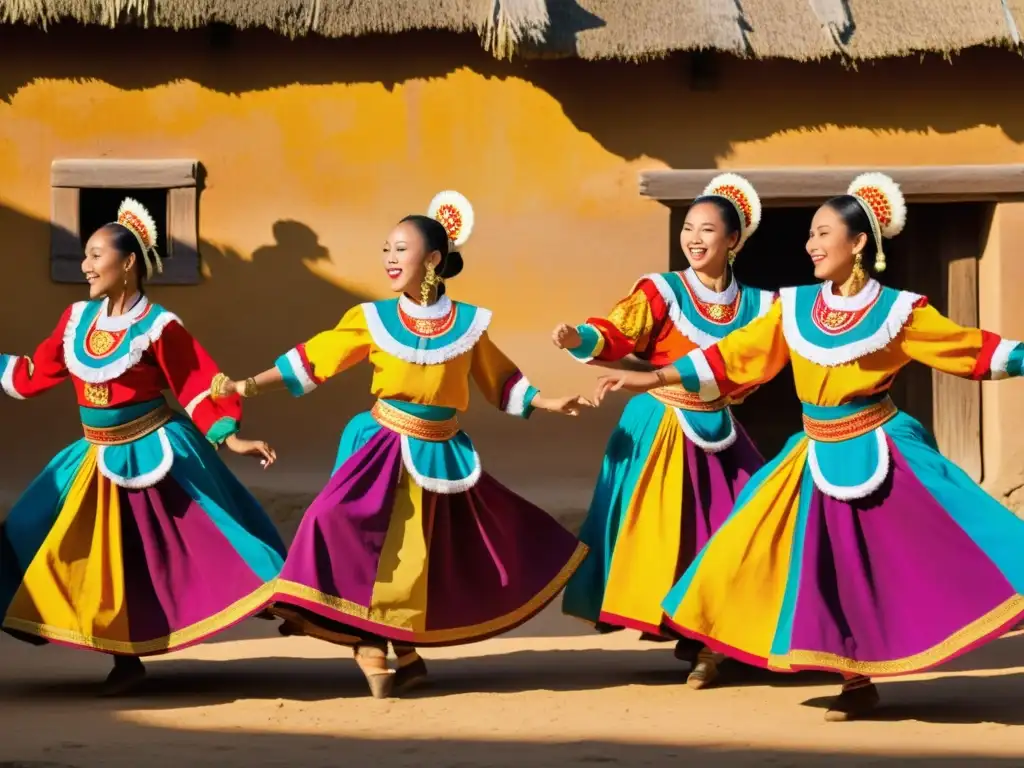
97	207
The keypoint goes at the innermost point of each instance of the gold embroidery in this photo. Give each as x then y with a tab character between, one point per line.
849	427
438	636
1001	616
677	397
428	326
406	424
249	605
632	316
96	394
130	432
101	342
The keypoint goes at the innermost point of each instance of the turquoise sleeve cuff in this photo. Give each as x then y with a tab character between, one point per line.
591	342
1015	361
285	365
222	429
688	374
531	393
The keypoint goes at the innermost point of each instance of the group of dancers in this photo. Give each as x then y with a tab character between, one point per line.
858	549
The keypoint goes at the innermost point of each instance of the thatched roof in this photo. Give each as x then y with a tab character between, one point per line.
592	29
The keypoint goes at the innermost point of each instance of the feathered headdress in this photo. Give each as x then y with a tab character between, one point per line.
741	193
883	202
133	216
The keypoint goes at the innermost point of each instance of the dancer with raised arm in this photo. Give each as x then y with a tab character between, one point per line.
411	541
859	549
675	463
136	539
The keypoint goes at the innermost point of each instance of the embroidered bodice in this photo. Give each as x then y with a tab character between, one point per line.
667	315
424	355
117	362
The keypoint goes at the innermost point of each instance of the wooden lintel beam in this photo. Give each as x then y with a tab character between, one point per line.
812	185
128	174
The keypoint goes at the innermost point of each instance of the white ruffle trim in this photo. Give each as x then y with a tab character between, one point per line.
299	370
847	493
195	401
383	339
899	314
1000	359
7	377
146	480
706	445
436	484
516	405
117	367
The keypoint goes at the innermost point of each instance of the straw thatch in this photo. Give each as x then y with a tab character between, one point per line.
592	29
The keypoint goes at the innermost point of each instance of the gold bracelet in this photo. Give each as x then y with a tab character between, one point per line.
250	389
218	387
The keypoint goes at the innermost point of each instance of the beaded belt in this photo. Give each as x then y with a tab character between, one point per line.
677	397
412	426
130	432
848	427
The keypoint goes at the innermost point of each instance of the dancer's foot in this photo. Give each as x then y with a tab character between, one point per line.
127	673
411	669
705	672
373	662
859	697
688	651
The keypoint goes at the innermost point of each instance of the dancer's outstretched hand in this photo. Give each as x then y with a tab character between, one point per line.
569	406
566	336
257	448
631	381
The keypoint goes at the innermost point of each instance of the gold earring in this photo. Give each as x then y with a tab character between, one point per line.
858	277
430	281
732	256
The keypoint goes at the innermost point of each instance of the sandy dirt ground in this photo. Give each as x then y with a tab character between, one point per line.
550	694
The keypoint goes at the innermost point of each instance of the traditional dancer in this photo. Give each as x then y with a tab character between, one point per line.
674	465
410	541
135	540
859	549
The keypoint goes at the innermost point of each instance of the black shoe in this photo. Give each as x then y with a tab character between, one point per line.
853	703
127	673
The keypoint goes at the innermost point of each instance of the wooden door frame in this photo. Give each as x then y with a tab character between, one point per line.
956	402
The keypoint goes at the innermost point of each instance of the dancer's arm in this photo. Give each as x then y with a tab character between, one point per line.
747	357
971	353
305	367
27	376
628	330
190	372
505	387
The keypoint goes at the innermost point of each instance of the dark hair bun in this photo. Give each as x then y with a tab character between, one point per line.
451	266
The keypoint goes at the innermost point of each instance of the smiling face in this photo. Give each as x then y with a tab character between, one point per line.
832	247
105	267
705	238
406	258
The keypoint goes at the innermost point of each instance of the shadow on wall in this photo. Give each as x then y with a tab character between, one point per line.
649	104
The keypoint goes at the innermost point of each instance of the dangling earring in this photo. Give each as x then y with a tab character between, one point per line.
732	256
858	277
430	281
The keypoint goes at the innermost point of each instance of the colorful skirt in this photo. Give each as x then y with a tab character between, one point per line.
669	479
135	549
410	541
900	564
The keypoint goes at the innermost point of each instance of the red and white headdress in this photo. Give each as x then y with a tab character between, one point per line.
455	213
741	193
883	202
133	216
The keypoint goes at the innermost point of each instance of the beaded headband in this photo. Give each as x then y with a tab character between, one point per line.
883	202
744	198
455	213
133	216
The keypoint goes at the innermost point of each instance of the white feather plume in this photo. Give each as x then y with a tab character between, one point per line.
717	187
893	196
133	216
459	227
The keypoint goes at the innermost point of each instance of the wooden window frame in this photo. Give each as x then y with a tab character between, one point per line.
179	177
956	403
